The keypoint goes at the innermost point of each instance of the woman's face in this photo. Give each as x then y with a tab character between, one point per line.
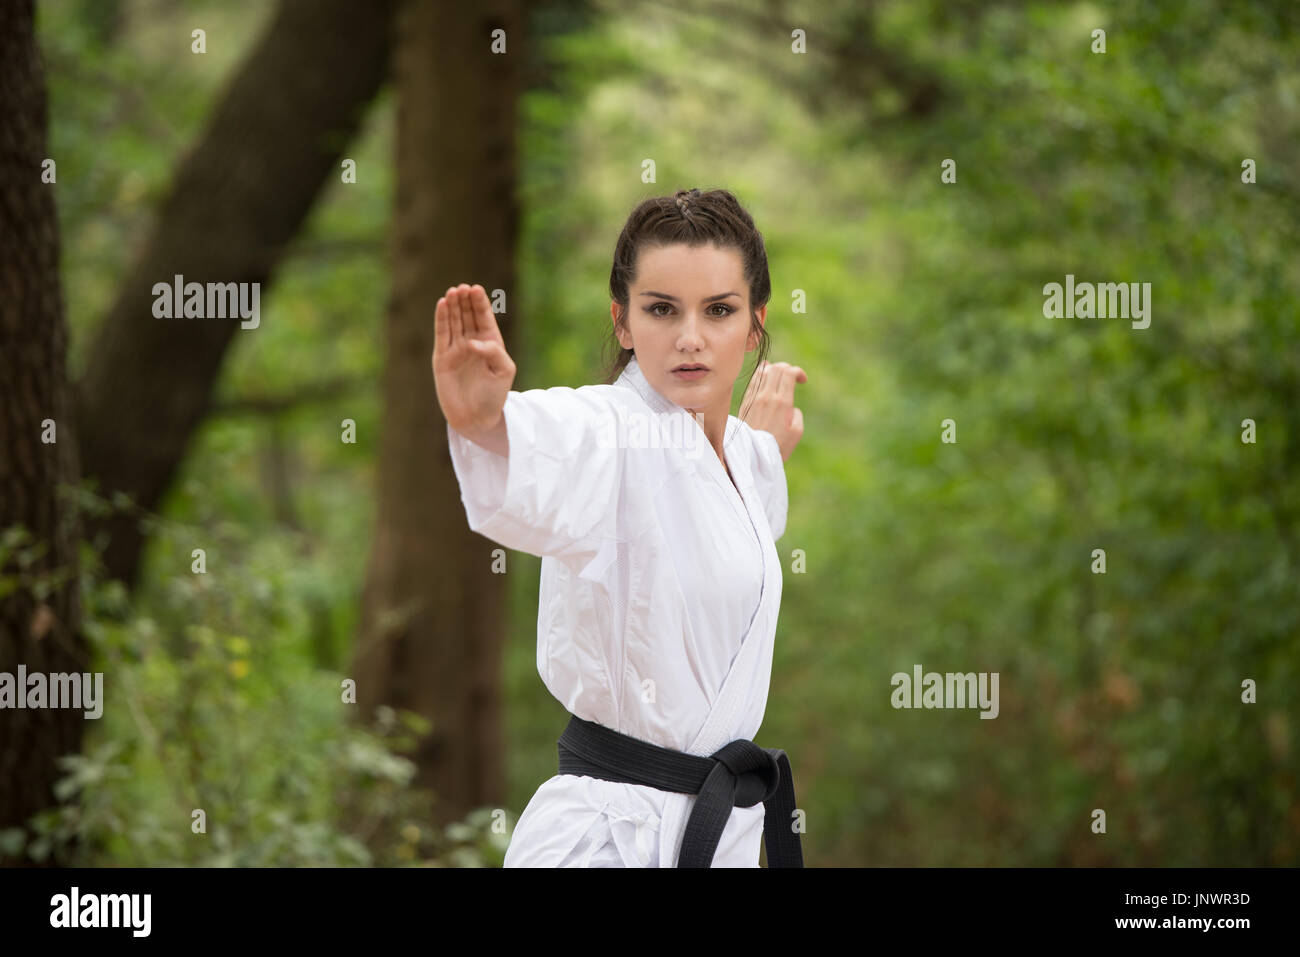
689	305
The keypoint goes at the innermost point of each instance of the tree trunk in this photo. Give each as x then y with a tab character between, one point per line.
238	199
431	621
40	630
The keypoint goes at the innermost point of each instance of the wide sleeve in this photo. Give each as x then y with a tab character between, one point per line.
769	478
557	492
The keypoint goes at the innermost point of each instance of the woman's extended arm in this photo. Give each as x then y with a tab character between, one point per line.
472	371
534	471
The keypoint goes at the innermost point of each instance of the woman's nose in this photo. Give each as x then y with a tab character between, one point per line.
689	334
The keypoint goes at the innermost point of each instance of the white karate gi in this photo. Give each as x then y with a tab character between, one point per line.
660	588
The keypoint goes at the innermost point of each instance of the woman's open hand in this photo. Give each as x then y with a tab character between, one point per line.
769	404
472	371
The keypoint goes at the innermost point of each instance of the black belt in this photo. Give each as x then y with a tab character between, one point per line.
738	774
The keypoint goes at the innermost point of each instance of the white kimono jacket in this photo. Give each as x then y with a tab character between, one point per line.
660	588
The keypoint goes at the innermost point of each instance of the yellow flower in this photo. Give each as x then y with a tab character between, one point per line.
239	668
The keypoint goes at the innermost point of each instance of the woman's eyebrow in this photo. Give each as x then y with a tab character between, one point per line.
664	295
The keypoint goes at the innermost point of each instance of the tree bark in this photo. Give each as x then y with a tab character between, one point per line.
40	630
431	622
237	200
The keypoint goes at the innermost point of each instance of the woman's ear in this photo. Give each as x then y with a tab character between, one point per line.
751	343
620	329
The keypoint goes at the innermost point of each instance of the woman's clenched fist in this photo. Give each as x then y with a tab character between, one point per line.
769	404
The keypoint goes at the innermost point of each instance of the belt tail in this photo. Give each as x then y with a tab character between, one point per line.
779	836
708	818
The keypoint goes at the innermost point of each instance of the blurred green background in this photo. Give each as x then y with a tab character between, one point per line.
1120	691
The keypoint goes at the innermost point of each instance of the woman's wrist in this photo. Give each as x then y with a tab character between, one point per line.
494	438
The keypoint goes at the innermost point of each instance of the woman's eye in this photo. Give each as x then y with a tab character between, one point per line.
726	310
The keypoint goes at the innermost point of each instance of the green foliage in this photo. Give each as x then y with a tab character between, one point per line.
217	705
1119	691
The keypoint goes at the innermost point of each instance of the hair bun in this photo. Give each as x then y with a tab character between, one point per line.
684	198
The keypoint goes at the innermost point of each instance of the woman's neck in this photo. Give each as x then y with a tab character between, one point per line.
714	423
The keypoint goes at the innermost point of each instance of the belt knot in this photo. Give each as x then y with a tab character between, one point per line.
753	773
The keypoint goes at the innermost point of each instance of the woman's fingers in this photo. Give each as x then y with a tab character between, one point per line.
452	328
476	301
441	327
791	375
780	379
455	327
470	314
779	386
468	323
467	320
464	314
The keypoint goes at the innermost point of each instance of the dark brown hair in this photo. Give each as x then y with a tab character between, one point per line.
696	219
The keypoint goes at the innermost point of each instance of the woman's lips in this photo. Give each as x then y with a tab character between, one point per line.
689	374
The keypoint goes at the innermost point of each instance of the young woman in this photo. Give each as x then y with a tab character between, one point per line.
655	512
